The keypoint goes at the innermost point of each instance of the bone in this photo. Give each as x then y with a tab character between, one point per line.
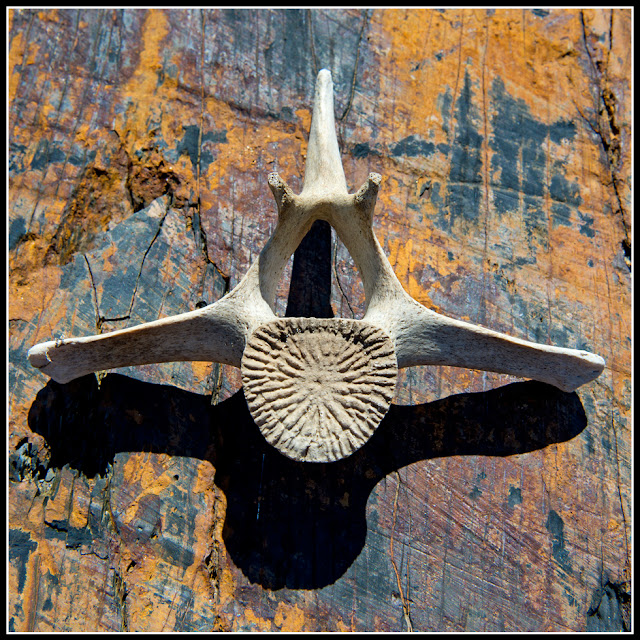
318	388
221	331
216	333
323	173
423	337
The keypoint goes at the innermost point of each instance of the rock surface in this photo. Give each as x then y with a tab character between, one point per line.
146	499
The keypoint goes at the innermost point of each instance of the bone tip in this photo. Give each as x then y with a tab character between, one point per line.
598	363
324	76
324	88
39	358
593	362
591	366
277	184
375	178
274	179
38	355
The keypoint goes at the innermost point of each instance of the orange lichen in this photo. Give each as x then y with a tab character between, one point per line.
201	370
259	624
143	83
16	54
289	618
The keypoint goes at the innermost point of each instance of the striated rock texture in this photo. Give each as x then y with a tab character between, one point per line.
146	499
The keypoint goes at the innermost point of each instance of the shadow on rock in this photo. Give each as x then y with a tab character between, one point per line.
291	524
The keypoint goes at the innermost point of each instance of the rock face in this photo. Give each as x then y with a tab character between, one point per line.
146	499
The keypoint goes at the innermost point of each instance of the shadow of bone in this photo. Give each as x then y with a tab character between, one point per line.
292	524
288	523
301	525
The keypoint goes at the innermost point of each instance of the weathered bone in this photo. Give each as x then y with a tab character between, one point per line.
340	407
318	388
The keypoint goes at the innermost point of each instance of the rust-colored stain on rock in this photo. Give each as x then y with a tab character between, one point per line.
139	146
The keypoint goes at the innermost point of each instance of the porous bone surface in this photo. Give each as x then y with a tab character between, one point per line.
318	388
